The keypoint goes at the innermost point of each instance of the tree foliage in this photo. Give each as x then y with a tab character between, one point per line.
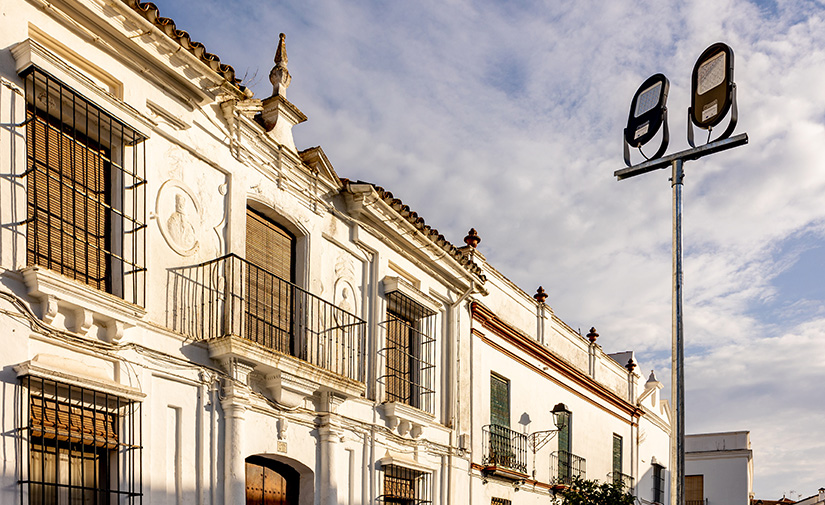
593	492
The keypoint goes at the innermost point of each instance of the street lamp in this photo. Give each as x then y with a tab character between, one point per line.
648	113
713	96
713	92
560	416
539	439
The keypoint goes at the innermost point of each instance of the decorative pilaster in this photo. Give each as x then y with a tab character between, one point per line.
330	434
234	404
591	351
541	314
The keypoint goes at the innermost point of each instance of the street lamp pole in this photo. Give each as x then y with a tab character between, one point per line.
677	370
713	97
677	373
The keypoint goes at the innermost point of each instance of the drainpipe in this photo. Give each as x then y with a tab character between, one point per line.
455	397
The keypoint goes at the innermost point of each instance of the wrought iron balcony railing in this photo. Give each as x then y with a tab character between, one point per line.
504	448
231	296
564	466
618	478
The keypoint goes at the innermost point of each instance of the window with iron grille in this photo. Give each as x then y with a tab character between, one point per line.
405	486
85	190
409	352
500	501
658	483
82	446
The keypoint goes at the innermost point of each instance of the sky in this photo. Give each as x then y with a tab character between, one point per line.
507	116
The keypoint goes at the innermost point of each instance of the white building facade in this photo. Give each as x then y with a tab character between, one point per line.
195	311
718	468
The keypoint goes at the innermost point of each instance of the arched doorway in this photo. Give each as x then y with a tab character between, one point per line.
269	482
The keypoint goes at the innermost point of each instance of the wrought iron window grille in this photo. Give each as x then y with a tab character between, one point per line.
86	191
409	352
78	445
405	486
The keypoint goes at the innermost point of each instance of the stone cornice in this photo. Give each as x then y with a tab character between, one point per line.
537	351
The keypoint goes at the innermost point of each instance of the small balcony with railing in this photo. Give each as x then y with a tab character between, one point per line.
621	479
566	466
504	452
299	341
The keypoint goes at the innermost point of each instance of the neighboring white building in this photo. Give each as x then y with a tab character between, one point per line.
719	468
193	310
817	499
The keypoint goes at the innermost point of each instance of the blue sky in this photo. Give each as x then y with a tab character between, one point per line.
507	117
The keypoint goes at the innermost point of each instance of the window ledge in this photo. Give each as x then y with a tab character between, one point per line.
69	371
56	292
407	419
399	285
392	458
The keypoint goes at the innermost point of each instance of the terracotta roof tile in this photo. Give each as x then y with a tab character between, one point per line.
152	14
429	232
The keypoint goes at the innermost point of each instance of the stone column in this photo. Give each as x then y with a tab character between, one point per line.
234	404
330	434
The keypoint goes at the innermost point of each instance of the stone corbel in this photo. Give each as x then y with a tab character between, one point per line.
393	422
416	430
48	304
404	427
83	321
114	331
288	390
407	420
283	425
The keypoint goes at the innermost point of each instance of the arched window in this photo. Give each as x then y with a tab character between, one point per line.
269	482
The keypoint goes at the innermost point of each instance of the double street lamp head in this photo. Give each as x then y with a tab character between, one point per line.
713	96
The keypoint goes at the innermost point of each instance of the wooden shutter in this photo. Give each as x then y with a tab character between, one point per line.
270	252
694	488
499	401
400	358
68	196
62	421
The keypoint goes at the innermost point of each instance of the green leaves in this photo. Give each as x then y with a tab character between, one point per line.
593	492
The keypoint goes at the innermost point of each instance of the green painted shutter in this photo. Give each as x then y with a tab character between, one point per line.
564	434
617	455
499	401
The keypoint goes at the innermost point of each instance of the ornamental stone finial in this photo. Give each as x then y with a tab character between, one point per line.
540	295
472	239
593	335
279	75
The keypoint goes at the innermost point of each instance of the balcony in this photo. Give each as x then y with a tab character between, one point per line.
505	452
228	297
621	479
565	466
